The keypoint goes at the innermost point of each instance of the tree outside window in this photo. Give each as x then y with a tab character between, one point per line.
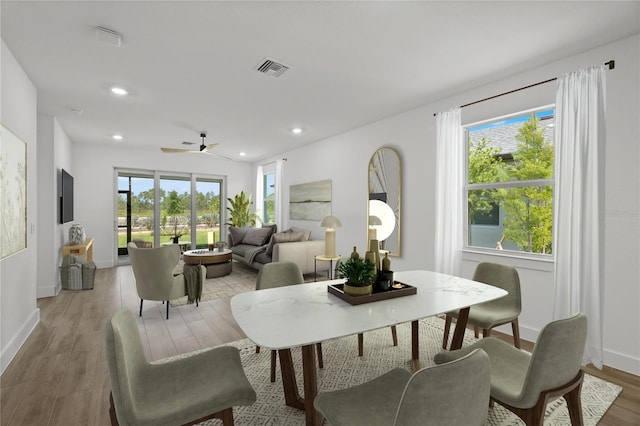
510	183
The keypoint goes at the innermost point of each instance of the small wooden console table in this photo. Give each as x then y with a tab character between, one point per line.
85	248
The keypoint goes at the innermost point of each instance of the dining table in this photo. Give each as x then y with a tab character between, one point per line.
305	314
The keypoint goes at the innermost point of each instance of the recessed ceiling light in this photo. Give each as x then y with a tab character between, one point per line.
242	154
117	137
119	91
296	130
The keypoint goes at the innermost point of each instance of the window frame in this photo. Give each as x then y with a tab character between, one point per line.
467	187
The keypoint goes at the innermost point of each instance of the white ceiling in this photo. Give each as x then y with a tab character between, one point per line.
189	66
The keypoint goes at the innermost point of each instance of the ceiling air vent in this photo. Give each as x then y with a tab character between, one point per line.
272	67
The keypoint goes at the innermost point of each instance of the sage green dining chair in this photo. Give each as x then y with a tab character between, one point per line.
525	382
187	389
497	312
280	274
456	393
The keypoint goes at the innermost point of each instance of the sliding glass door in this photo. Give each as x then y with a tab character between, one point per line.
168	208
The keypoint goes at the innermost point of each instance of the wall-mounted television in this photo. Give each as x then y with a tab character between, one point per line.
66	197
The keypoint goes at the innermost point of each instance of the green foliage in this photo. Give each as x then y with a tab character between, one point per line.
484	166
358	272
174	223
239	211
528	209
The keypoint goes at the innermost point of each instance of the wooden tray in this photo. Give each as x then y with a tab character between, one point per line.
393	292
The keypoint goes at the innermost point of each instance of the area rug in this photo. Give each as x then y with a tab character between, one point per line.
343	368
241	280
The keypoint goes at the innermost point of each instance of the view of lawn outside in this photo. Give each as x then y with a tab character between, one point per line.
136	217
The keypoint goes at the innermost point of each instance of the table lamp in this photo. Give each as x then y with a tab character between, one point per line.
330	222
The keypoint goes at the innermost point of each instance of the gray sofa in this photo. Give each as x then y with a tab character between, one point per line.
256	247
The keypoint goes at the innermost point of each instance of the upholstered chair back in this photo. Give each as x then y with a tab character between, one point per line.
505	277
278	274
556	358
153	271
456	393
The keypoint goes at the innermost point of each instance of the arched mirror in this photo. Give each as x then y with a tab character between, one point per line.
385	194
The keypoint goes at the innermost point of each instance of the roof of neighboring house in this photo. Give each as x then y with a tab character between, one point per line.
502	136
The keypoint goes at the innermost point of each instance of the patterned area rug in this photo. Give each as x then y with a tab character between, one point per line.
343	368
241	280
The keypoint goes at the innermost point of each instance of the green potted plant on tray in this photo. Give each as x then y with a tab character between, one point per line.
360	275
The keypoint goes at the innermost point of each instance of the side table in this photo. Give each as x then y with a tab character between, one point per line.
85	248
323	258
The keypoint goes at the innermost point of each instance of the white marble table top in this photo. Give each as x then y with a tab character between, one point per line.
303	314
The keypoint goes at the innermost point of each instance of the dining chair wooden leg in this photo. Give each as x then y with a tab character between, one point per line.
273	366
515	328
141	306
167	309
257	349
486	332
394	335
447	325
476	332
360	344
319	354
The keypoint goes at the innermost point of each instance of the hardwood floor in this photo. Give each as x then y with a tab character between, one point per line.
59	376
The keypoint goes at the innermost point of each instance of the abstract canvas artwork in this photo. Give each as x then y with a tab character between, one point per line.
310	201
13	193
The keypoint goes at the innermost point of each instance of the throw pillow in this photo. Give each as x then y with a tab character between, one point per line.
236	235
288	237
306	233
257	236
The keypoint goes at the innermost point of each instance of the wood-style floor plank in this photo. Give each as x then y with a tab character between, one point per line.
60	375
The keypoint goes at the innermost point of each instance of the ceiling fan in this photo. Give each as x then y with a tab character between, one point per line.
204	149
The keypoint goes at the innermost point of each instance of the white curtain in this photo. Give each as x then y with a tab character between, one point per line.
579	202
259	200
449	191
279	198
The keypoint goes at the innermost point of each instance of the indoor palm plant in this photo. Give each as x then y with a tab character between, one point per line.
239	211
360	275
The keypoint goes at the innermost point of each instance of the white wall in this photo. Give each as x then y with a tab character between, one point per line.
54	154
344	159
18	310
95	185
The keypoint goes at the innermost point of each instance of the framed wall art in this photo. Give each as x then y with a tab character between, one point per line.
310	201
13	193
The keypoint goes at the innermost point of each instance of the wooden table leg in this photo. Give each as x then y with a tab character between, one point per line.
415	346
291	395
461	325
312	418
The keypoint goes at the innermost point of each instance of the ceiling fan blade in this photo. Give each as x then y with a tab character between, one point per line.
216	155
209	147
176	150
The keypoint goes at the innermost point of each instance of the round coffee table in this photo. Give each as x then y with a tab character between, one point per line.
217	262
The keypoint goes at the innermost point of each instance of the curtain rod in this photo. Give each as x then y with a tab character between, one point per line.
611	64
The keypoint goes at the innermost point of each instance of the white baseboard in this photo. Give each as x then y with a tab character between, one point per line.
18	340
48	291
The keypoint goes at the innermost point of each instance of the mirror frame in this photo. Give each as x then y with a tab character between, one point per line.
387	153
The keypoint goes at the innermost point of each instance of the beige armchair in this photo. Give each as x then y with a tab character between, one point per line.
456	393
187	390
523	382
496	312
153	270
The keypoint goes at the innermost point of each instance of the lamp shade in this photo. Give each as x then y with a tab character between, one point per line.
330	222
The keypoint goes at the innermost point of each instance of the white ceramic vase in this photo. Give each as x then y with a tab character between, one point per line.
76	234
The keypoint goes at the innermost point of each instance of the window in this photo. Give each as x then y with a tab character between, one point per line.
269	201
509	185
